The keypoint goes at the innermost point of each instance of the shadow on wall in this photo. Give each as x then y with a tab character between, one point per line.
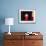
2	21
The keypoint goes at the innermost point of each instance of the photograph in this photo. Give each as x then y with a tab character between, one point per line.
26	16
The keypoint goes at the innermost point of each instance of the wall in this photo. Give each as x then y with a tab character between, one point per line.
10	8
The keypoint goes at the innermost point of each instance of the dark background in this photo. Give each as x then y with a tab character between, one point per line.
30	18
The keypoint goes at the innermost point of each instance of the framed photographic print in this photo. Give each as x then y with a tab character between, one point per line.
26	16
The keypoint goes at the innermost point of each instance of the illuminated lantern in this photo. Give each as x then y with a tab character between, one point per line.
26	17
